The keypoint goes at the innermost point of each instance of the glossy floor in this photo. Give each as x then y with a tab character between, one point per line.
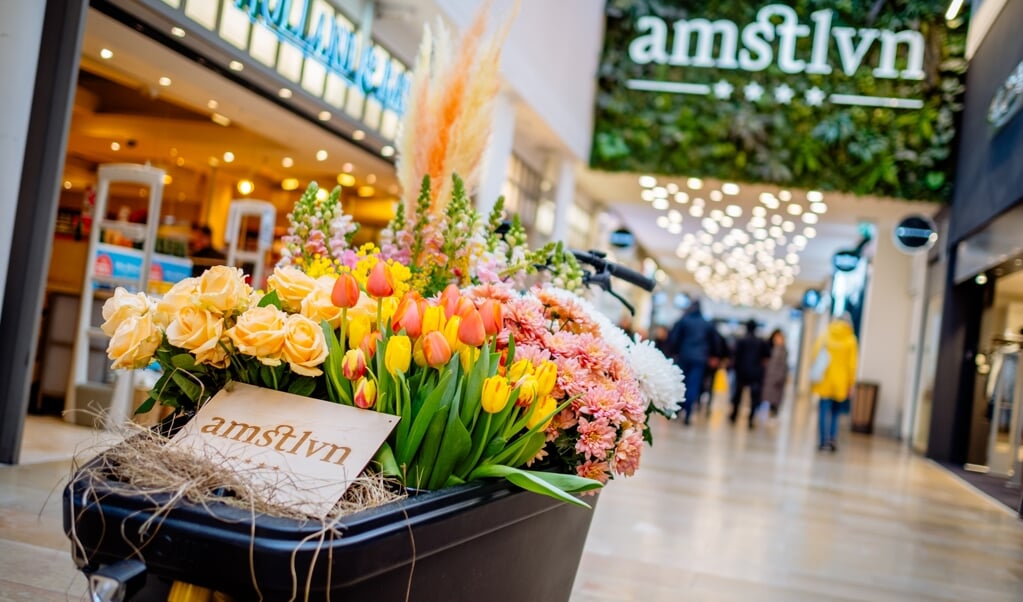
716	513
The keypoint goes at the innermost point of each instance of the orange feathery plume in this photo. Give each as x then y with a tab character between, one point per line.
448	120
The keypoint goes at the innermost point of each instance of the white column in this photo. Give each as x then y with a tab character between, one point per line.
564	196
494	171
21	27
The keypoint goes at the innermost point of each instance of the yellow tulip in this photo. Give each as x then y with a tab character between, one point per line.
519	369
398	354
546	377
366	393
358	327
451	333
496	391
527	391
468	357
433	318
540	412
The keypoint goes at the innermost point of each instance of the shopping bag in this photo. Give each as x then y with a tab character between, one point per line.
820	365
720	381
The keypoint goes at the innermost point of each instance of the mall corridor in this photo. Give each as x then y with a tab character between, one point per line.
717	513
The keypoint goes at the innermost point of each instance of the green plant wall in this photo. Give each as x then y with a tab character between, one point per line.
906	153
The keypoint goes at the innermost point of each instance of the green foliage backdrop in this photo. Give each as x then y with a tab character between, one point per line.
903	153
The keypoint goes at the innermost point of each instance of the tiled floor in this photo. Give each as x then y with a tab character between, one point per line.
716	513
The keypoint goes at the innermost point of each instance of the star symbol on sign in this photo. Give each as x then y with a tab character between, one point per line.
783	94
723	89
753	91
815	96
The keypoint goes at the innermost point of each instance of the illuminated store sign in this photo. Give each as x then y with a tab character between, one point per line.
752	49
1008	99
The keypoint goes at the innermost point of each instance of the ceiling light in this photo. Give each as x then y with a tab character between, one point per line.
734	210
167	179
981	279
366	191
235	66
660	204
289	183
67	184
321	155
699	202
809	232
214	161
675	215
663	221
347	167
324	116
810	218
115	146
284	93
953	9
696	211
730	188
245	187
371	179
795	209
321	194
784	195
647	195
726	222
694	183
177	32
777	219
660	192
387	151
717	214
346	179
715	195
647	181
105	54
358	135
219	119
775	231
180	161
814	196
287	162
164	81
818	208
228	156
759	212
672	187
788	226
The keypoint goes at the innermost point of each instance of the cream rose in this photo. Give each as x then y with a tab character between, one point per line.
181	295
259	332
222	289
134	342
122	306
317	305
305	347
292	286
199	331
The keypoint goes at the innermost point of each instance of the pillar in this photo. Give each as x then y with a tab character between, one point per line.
494	171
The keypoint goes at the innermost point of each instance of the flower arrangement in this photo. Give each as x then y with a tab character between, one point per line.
492	364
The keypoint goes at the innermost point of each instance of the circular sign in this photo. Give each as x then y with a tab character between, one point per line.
915	233
811	298
846	261
622	238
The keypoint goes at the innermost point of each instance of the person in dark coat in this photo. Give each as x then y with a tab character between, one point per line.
777	371
690	340
751	354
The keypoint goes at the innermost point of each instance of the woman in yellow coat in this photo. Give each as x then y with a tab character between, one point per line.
836	385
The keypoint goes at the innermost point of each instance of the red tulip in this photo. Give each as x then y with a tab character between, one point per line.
346	291
470	330
380	283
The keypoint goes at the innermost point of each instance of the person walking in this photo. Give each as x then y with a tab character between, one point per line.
834	385
690	341
751	353
777	371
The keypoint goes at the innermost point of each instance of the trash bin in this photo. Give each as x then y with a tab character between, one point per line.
864	404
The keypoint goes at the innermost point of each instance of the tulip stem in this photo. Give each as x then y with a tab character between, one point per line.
479	448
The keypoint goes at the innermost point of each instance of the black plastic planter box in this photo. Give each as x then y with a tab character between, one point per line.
481	541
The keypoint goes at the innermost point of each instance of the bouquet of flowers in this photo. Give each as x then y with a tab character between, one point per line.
491	364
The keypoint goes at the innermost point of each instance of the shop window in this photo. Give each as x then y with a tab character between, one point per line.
202	12
234	26
522	190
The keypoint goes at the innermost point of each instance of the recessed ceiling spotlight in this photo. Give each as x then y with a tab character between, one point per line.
809	232
228	156
284	93
289	183
387	151
663	221
660	204
730	188
321	155
347	168
67	184
647	181
366	191
287	162
106	54
346	179
371	178
716	195
180	161
694	183
981	279
177	32
212	104
784	195
235	66
214	161
814	196
219	119
819	208
795	209
115	146
164	81
647	195
660	192
733	210
681	198
324	116
358	135
810	218
672	187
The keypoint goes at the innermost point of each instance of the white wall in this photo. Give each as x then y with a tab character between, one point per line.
885	332
21	26
550	60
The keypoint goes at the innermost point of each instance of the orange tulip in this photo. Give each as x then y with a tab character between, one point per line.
353	365
408	316
493	319
470	330
463	306
366	393
381	282
346	291
449	299
369	344
436	350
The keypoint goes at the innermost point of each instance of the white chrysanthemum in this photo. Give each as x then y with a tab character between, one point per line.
660	380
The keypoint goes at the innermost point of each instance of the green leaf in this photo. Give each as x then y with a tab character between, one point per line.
530	448
455	446
184	361
188	386
303	385
540	482
270	298
385	461
146	405
427	456
423	420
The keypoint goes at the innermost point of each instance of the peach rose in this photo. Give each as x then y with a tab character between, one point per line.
259	332
222	290
305	347
292	286
182	294
318	305
122	306
134	342
199	331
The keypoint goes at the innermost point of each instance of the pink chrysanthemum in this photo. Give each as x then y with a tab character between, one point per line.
598	471
626	456
596	438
